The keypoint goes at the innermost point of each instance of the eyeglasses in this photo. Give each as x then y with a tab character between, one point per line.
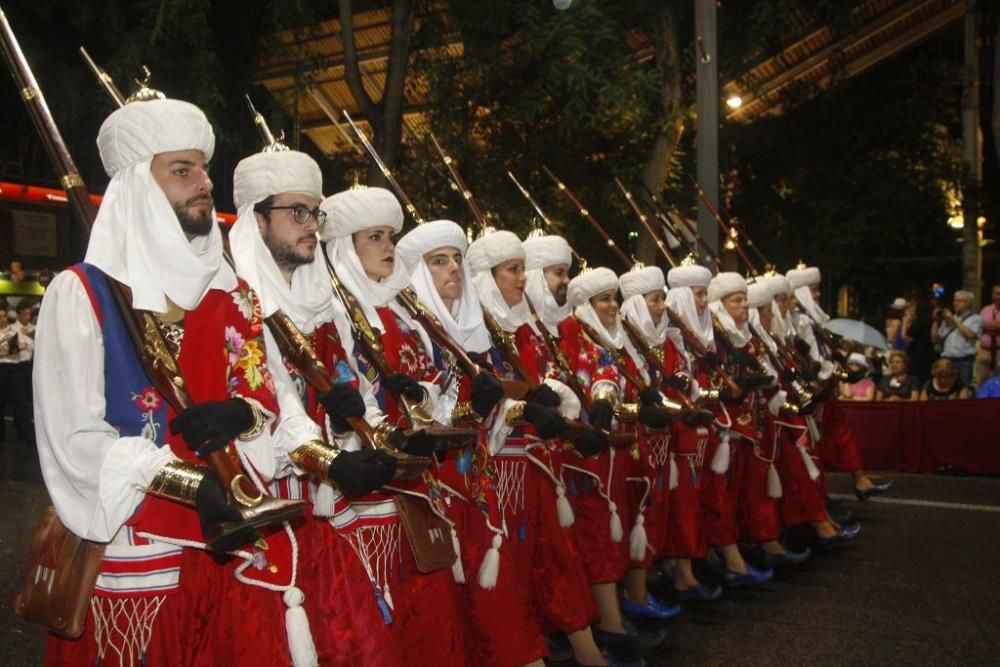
300	213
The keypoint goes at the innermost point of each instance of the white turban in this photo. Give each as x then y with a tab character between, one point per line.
464	320
492	249
689	275
540	253
724	284
759	293
807	276
353	210
586	286
778	284
641	281
137	238
544	251
308	300
138	131
264	174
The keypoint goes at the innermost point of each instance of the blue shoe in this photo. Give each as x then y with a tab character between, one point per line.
787	558
628	642
844	534
876	490
653	608
838	511
700	593
753	576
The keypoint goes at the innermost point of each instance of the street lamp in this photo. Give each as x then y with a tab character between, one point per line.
734	102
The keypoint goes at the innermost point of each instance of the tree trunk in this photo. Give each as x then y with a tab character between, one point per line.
386	115
654	173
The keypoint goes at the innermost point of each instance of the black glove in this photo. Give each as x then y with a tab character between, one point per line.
210	426
600	414
591	442
404	385
340	402
486	393
788	376
650	396
712	359
678	382
417	443
547	422
742	358
752	381
361	472
545	396
210	503
802	346
696	418
651	417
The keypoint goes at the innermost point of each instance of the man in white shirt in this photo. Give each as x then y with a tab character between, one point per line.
16	347
956	333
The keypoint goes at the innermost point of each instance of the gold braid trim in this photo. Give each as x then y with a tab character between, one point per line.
315	458
464	415
627	412
178	480
515	416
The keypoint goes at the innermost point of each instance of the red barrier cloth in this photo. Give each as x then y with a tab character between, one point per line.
920	436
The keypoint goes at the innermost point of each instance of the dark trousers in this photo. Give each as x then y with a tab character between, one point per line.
15	389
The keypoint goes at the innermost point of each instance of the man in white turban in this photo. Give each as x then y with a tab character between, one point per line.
274	242
110	445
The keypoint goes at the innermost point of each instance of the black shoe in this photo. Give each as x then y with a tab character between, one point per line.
844	534
560	649
632	640
876	490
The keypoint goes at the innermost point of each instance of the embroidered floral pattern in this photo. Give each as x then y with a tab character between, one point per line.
149	402
245	355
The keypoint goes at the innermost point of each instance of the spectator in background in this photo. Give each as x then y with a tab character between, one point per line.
25	327
863	389
12	347
990	388
989	341
957	332
898	384
944	383
916	334
894	324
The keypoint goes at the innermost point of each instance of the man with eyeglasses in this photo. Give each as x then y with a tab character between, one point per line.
274	247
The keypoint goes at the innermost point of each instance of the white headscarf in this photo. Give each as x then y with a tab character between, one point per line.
542	252
138	241
137	238
804	296
308	301
464	320
484	254
739	335
586	286
681	301
758	328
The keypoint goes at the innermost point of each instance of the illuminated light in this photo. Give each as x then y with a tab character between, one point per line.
734	102
956	221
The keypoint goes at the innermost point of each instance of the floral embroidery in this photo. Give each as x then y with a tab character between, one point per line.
149	401
243	298
234	345
342	372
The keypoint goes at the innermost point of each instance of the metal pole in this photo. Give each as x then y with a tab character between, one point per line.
708	116
972	256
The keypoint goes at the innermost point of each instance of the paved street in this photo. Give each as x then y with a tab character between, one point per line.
920	586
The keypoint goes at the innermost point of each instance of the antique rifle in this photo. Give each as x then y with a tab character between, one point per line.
645	223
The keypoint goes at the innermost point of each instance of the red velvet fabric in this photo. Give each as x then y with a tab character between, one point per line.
756	512
921	436
604	560
685	533
718	494
839	448
803	500
209	621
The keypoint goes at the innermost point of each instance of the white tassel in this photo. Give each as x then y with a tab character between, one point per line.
457	569
563	509
810	464
387	596
490	568
674	475
617	533
323	505
773	482
300	641
720	462
637	540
